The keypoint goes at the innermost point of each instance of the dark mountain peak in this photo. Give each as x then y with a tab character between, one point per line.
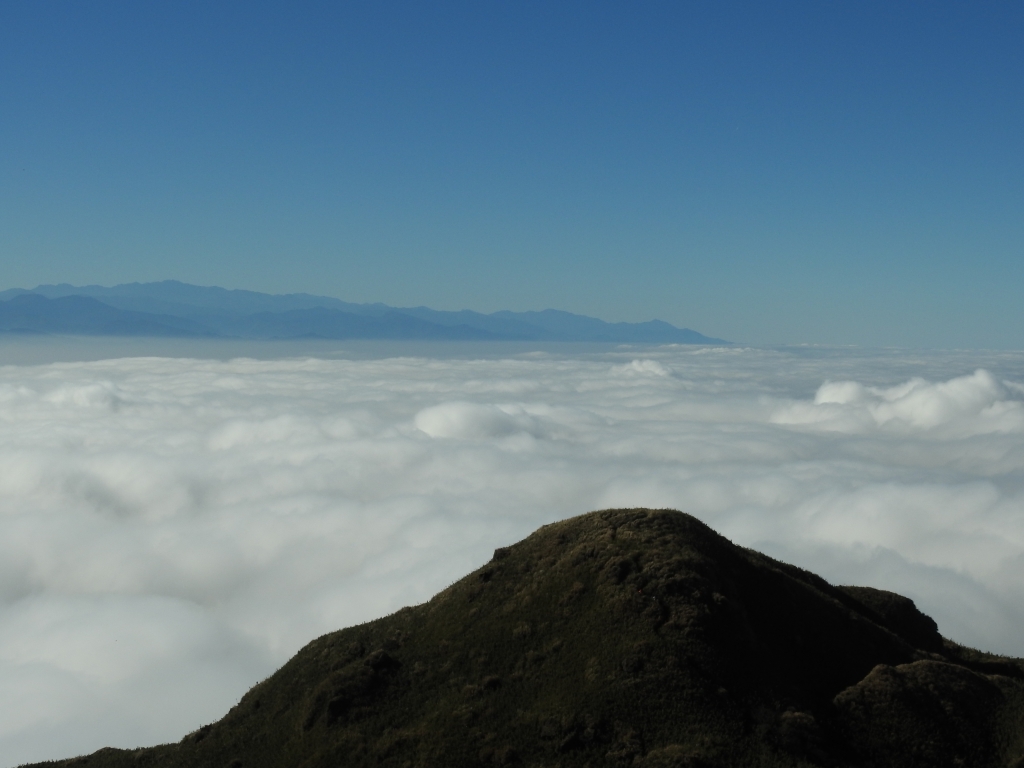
899	614
628	637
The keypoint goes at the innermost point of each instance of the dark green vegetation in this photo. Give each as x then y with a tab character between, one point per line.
626	638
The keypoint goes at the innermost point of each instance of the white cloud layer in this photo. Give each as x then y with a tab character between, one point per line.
172	530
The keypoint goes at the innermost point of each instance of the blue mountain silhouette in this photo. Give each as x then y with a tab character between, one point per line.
172	308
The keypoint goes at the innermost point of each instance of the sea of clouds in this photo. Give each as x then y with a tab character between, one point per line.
172	529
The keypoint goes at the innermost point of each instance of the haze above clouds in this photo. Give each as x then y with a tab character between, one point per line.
173	529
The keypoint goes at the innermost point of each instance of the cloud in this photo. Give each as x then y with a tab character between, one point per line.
172	529
474	421
975	404
642	368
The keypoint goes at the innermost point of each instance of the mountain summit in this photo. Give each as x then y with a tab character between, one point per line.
628	637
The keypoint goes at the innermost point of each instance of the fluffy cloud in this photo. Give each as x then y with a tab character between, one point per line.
975	404
474	421
173	529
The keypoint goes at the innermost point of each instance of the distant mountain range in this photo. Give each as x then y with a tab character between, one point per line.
172	308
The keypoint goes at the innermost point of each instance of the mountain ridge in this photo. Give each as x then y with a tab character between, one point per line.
211	311
628	638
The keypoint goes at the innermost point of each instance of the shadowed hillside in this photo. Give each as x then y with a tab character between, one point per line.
625	638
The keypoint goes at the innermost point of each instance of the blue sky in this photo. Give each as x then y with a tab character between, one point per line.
826	172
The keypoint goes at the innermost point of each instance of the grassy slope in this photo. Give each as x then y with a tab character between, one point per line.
625	638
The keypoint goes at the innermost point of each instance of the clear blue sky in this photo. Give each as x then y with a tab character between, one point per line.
832	172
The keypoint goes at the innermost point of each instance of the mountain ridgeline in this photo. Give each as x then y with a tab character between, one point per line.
171	308
620	638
